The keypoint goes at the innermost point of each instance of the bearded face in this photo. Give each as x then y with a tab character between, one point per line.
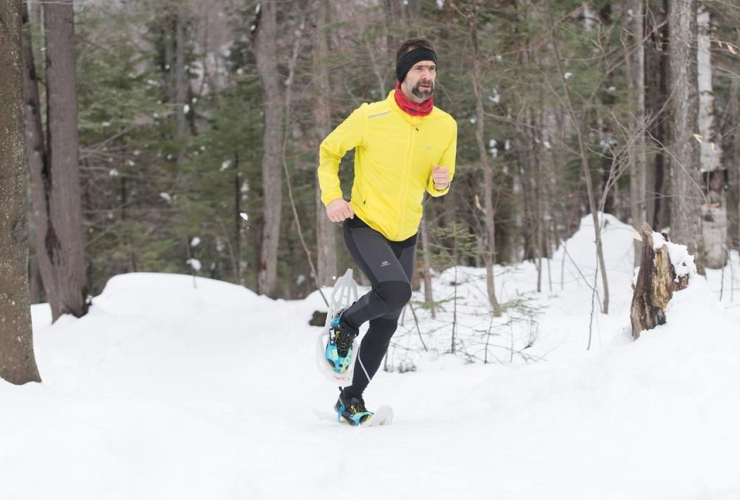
423	90
420	80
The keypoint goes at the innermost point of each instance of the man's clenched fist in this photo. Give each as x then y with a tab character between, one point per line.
441	177
338	210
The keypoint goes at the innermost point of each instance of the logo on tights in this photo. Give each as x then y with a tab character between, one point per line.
385	263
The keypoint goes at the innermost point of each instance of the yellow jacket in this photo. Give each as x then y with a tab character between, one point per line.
394	156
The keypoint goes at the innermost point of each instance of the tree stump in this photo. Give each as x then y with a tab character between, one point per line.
656	283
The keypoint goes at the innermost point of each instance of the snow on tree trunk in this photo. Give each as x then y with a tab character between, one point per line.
657	280
686	192
17	361
714	210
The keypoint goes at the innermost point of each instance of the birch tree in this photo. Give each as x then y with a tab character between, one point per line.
714	210
686	192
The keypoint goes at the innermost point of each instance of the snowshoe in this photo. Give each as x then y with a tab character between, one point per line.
339	349
335	353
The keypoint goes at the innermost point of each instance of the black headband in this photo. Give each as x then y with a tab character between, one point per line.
411	58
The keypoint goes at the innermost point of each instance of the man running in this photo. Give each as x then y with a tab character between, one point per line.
404	146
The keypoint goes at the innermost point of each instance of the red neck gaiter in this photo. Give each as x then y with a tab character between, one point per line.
412	108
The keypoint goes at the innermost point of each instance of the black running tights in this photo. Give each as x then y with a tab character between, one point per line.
389	265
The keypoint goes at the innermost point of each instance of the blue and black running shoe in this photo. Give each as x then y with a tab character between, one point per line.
339	348
352	410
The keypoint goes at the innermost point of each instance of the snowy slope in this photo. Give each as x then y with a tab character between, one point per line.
169	391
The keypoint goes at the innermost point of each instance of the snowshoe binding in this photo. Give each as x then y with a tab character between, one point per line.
339	349
352	410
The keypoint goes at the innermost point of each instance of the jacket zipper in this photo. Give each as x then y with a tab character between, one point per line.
405	179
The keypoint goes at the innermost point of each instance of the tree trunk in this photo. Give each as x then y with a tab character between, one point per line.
326	230
265	41
735	111
490	240
714	210
656	82
426	271
638	31
63	239
17	360
633	33
237	221
686	192
37	165
181	83
655	285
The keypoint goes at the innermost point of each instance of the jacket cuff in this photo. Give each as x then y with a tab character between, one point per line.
327	198
434	192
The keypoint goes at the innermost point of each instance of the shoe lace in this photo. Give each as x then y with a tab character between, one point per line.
343	338
358	406
344	342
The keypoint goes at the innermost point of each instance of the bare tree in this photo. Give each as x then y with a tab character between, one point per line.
633	41
686	192
489	255
54	164
325	229
17	360
426	266
583	153
714	210
265	39
656	92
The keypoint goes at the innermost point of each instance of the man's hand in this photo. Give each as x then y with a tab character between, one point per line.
338	210
441	177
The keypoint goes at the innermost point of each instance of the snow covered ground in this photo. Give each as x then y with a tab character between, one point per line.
166	391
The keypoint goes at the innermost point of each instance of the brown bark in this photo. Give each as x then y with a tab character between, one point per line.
42	278
489	254
60	235
735	106
656	92
656	283
265	41
326	230
686	193
426	269
17	360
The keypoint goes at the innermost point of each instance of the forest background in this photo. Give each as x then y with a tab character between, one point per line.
198	126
